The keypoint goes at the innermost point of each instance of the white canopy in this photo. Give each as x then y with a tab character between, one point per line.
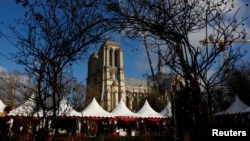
167	111
121	110
247	110
148	112
25	109
235	108
2	106
65	109
95	110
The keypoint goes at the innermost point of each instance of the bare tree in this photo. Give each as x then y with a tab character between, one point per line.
50	38
12	86
240	82
156	100
78	95
169	23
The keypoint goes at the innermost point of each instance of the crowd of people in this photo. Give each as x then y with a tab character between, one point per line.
27	128
238	122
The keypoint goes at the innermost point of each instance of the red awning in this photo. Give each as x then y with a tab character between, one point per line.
95	118
154	119
127	118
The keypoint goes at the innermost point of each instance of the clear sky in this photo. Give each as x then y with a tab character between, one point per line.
135	61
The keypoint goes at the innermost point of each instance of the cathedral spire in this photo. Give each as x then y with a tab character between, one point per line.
160	65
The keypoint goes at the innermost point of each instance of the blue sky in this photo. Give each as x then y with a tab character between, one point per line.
135	61
9	11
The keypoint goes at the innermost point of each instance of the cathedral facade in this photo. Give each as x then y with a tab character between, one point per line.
106	75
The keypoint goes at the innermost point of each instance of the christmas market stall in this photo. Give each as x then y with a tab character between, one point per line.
151	121
95	119
126	120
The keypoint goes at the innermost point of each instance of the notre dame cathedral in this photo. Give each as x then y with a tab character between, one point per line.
106	73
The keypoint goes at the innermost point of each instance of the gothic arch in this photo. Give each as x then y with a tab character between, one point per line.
110	57
116	59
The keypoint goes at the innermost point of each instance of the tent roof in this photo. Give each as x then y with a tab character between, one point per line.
65	109
2	106
167	111
247	110
122	110
236	107
25	109
148	112
95	110
28	109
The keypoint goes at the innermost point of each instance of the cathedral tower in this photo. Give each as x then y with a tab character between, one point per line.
106	72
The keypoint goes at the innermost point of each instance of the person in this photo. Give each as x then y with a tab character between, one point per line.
4	128
100	130
113	127
41	135
129	130
159	130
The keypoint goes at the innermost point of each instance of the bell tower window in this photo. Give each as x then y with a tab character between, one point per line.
110	57
116	58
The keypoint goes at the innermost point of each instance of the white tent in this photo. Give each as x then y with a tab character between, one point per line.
65	109
29	106
148	112
95	110
122	111
167	111
25	109
247	110
235	108
2	106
